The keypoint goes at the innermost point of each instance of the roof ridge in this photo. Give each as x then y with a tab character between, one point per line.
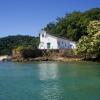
59	37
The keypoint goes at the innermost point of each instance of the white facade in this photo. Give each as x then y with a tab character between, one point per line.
48	41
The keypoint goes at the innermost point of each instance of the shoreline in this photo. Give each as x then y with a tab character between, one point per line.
46	59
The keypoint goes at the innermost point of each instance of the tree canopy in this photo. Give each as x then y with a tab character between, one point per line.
90	45
11	42
73	25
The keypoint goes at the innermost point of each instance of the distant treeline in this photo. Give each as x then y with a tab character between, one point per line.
73	25
7	44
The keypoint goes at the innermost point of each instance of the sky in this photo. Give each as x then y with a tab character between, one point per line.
28	17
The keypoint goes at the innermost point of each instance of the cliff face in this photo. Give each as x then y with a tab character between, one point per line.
26	54
41	55
16	54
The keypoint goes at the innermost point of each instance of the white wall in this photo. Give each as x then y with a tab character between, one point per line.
48	39
56	43
66	44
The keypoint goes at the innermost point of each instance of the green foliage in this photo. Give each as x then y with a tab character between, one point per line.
94	27
90	45
74	25
7	44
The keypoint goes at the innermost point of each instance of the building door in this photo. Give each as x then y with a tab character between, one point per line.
48	45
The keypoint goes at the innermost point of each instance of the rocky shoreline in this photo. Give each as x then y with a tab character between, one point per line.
44	55
61	59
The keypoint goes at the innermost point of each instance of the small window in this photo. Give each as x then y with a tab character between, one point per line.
70	46
48	45
58	43
42	35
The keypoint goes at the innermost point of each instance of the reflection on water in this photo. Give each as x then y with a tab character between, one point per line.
50	88
51	91
49	81
48	71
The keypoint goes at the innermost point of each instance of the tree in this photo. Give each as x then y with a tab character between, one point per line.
90	45
7	44
73	25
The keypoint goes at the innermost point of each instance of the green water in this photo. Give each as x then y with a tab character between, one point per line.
49	81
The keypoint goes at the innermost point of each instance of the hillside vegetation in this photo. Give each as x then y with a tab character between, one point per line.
7	44
73	25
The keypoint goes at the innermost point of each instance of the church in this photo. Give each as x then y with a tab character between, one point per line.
48	41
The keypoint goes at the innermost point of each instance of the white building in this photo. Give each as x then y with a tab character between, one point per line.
48	41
